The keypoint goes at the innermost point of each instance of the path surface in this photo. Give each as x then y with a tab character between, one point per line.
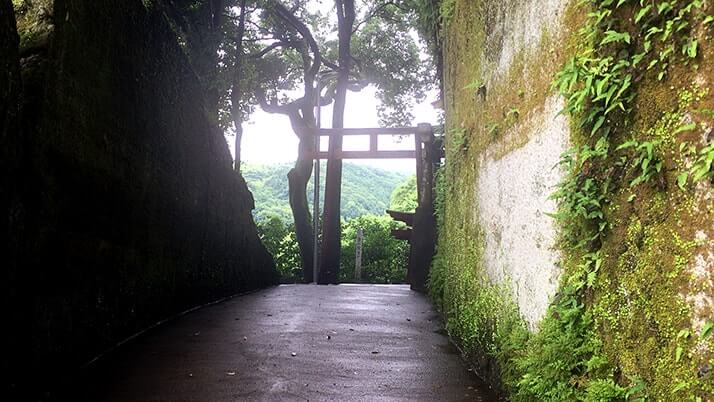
297	342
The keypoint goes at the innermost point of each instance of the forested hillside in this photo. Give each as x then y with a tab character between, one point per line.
365	190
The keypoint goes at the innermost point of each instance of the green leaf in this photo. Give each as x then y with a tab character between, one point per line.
473	85
642	13
686	127
682	180
691	49
680	386
614	36
627	144
678	354
598	124
707	330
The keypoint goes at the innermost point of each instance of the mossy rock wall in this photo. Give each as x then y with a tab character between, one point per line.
506	270
132	211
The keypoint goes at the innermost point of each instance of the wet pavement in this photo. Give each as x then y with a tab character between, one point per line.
296	343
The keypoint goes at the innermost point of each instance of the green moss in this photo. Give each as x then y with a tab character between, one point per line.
623	324
34	23
641	301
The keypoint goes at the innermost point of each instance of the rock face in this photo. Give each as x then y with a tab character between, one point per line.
132	211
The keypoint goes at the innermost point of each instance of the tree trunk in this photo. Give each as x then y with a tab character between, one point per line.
298	178
236	93
331	230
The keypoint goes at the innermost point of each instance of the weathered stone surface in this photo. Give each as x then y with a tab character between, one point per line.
133	210
513	206
516	174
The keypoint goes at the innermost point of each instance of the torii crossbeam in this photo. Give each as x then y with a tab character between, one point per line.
423	236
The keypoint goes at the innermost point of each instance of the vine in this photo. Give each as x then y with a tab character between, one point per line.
625	48
600	84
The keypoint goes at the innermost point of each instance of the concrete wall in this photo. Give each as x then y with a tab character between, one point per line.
513	202
512	54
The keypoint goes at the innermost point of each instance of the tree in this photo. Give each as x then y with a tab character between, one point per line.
387	51
280	49
276	52
331	231
236	88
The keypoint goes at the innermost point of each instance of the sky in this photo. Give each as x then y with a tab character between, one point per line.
268	138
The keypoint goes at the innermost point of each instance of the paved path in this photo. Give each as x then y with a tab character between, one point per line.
297	343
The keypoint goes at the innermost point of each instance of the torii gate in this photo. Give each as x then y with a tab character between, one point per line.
422	234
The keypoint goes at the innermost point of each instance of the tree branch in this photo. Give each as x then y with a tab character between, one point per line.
372	13
299	26
273	46
273	106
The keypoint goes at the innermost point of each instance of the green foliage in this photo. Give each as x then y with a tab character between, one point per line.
428	23
581	196
440	194
277	55
279	238
365	190
404	197
701	168
457	141
446	10
647	159
390	61
384	258
563	360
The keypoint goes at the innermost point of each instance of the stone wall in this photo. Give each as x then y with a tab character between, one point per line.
132	211
499	61
612	279
513	205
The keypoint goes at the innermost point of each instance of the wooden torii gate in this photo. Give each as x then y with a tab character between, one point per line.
422	234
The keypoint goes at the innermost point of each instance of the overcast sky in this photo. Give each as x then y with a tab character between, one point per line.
268	138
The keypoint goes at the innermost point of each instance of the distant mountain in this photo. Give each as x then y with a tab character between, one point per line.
365	189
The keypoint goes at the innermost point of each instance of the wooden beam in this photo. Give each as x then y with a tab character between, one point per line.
331	132
406	217
402	234
363	155
419	166
373	142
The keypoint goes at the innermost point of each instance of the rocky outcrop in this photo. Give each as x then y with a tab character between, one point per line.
132	210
